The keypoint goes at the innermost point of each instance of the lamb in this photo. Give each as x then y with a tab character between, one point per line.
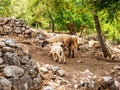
70	41
58	52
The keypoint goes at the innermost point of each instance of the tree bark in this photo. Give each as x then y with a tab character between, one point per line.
100	38
72	28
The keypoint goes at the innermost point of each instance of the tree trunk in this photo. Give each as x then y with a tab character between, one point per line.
53	26
101	40
72	28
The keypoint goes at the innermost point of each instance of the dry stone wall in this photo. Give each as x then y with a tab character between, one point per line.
12	26
17	70
15	27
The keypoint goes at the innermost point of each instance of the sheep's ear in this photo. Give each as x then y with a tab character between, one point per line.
62	45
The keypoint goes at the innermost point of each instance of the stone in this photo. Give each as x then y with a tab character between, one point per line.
25	60
85	88
1	54
47	66
63	87
2	66
79	61
27	31
13	71
7	28
109	82
52	76
11	58
5	84
87	72
61	72
117	67
48	88
37	82
23	83
10	42
19	51
7	49
26	68
43	69
112	71
37	65
2	44
18	30
5	20
84	81
23	29
58	82
17	22
1	61
54	68
1	29
76	86
33	71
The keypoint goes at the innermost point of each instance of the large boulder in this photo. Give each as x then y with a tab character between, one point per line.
11	58
5	84
13	71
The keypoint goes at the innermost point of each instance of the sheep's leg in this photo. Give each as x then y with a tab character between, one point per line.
72	53
59	59
54	57
64	60
69	52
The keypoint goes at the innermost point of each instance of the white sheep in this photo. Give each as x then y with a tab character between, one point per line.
58	52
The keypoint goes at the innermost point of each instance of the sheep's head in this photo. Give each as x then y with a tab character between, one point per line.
74	42
64	47
44	43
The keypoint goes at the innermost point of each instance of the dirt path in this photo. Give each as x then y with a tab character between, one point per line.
73	65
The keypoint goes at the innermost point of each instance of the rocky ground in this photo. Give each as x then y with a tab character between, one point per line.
74	66
77	74
84	72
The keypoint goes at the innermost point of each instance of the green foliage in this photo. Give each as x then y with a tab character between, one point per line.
110	9
108	12
72	12
43	13
4	8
